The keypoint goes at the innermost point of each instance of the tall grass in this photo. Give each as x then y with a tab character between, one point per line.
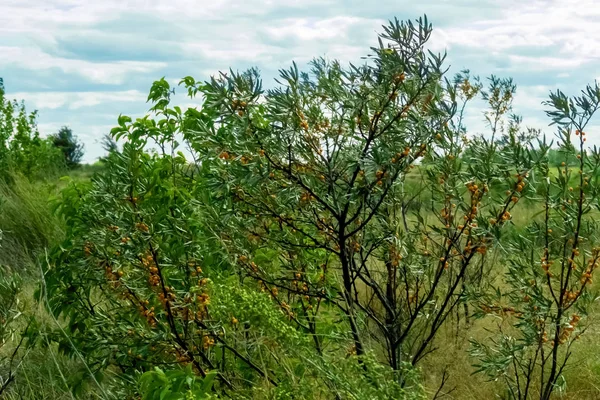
45	372
28	226
27	222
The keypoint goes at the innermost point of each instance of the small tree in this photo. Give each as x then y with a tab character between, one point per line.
22	150
546	294
71	148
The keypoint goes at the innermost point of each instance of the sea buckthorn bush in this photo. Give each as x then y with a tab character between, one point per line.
311	240
547	290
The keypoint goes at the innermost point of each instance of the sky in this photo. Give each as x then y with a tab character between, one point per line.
82	63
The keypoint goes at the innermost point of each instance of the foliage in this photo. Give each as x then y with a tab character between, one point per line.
68	144
27	227
109	145
22	150
175	385
125	247
138	267
315	170
309	168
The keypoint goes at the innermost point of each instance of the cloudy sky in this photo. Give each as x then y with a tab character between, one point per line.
81	63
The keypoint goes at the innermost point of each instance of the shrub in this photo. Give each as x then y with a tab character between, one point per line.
22	150
175	385
315	170
547	292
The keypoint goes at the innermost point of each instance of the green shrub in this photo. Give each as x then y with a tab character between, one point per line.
22	150
175	385
546	293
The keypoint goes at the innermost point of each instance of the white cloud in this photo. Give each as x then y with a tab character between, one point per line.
49	128
310	30
545	63
229	50
100	72
530	98
40	16
76	100
567	28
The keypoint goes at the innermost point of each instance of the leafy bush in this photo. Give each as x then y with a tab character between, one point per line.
315	170
547	290
22	150
175	385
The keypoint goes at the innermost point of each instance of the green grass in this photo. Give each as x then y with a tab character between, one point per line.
85	171
44	372
27	222
28	227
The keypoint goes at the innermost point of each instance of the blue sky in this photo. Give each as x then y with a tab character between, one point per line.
82	63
